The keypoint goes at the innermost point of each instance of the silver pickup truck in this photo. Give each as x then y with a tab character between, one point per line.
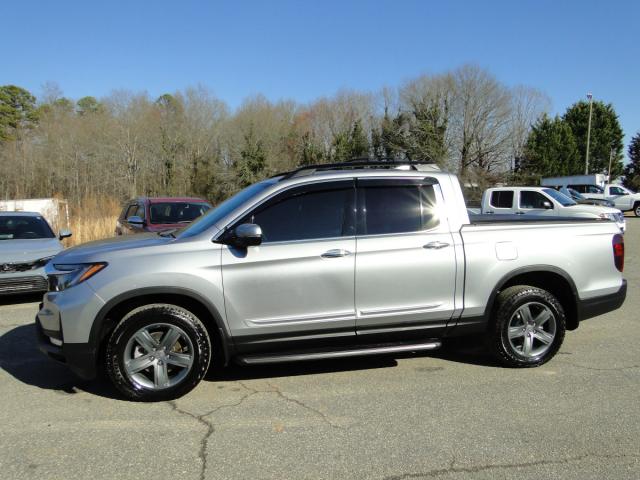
326	261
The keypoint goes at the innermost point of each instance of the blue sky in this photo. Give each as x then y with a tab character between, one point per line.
304	50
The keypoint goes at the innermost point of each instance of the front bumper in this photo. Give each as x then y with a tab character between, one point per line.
593	307
63	326
79	357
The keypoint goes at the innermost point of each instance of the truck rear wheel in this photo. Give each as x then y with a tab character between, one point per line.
158	352
636	209
529	326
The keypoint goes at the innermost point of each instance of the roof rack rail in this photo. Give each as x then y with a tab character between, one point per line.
357	163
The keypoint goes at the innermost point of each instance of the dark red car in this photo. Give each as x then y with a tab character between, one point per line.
154	214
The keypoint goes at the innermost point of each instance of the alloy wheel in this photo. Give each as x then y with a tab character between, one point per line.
158	356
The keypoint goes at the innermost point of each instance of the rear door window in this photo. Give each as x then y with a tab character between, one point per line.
502	199
391	207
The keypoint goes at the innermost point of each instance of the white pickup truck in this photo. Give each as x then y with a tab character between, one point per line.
544	201
623	198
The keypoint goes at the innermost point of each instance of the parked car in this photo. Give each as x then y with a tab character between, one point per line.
544	201
623	198
582	200
27	243
146	214
327	261
596	187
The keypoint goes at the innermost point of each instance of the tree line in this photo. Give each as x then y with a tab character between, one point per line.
191	143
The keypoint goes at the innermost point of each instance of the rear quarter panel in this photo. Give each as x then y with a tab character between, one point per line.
583	251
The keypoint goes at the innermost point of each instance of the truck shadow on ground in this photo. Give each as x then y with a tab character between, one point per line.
20	358
21	299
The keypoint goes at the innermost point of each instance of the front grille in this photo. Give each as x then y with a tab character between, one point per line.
23	284
19	267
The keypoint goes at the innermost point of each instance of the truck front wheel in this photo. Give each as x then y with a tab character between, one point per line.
158	352
529	326
636	209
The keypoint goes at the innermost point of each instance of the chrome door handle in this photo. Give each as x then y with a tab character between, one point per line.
436	245
335	253
519	213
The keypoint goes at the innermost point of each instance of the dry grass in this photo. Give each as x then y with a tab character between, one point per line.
93	219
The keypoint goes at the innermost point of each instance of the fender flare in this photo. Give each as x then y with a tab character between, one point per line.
97	327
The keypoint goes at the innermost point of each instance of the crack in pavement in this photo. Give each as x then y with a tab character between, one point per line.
204	441
505	466
210	427
322	415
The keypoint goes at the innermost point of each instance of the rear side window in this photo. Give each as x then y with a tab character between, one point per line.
531	199
502	199
306	215
397	208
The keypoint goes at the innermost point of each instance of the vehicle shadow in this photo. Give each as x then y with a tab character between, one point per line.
21	298
20	357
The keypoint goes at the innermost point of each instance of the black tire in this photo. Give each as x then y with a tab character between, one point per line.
149	316
508	307
636	209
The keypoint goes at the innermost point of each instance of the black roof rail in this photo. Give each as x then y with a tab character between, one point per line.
352	164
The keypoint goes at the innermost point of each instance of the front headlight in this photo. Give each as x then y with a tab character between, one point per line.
608	216
41	262
63	276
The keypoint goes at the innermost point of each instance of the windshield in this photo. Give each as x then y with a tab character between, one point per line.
561	198
176	212
19	227
225	208
575	194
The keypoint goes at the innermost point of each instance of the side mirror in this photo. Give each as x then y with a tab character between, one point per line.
547	205
135	220
64	234
245	235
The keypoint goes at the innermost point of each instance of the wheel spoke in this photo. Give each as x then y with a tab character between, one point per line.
516	332
146	341
170	338
542	318
179	359
543	336
525	313
160	375
527	346
136	364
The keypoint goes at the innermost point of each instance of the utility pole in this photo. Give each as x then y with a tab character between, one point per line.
610	160
586	161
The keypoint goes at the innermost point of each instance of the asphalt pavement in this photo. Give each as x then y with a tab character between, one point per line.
447	415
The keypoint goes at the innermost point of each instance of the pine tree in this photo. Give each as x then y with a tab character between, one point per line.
551	149
606	134
632	170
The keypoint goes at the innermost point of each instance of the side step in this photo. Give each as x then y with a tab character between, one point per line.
332	354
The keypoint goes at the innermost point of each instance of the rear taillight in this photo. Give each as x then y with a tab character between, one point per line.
618	251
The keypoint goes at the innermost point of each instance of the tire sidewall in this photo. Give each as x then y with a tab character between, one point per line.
150	315
508	309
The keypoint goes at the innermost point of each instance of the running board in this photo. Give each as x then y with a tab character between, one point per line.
332	354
